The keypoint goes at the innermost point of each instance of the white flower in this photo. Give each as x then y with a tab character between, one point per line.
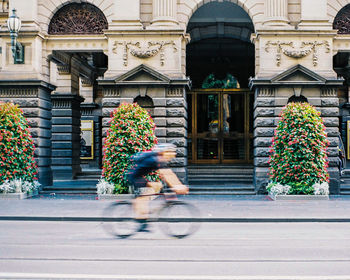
321	189
6	187
103	187
278	189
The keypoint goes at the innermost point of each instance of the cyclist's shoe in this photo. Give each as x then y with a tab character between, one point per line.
143	227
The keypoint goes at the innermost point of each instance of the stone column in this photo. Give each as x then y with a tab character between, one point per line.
66	136
276	13
34	98
164	14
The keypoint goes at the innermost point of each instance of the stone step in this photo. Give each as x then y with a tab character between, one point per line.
223	193
215	181
68	192
219	188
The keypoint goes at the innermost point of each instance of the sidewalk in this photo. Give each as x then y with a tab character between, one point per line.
213	209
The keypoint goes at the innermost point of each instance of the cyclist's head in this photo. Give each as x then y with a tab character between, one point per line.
166	150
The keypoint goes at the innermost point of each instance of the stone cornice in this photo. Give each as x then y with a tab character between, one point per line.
26	83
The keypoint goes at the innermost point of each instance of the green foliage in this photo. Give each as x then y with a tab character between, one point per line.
298	153
16	145
131	131
212	82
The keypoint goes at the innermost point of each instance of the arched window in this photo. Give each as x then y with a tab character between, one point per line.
145	102
342	21
299	99
78	18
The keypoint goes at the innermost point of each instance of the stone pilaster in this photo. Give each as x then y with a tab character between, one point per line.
176	128
164	14
265	120
66	136
34	98
314	15
276	12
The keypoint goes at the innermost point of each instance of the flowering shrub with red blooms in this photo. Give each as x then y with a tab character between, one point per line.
16	146
298	153
131	131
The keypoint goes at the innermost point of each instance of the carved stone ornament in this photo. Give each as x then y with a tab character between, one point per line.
342	21
288	49
150	50
78	18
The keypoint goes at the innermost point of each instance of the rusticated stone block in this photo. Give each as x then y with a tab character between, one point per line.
262	152
261	161
178	112
333	141
161	132
176	132
178	122
263	142
179	142
160	122
178	162
31	112
264	102
107	112
181	152
330	112
329	102
264	112
111	102
331	121
332	131
264	122
159	112
175	102
332	152
264	132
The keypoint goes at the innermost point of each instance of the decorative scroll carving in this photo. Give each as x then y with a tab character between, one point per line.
151	50
305	49
342	21
78	18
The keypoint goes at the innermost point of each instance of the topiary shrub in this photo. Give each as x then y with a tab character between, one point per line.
131	131
298	153
16	149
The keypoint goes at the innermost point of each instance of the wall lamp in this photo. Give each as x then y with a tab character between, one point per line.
14	25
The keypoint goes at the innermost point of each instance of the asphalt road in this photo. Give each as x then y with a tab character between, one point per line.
82	250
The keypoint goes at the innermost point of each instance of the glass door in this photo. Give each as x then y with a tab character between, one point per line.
220	126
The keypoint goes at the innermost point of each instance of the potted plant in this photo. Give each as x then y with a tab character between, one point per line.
18	168
298	159
131	131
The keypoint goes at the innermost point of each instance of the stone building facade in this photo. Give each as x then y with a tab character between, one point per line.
82	58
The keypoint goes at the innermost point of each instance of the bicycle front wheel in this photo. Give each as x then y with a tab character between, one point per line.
119	219
177	219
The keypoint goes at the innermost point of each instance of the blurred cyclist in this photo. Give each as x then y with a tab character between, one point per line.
147	162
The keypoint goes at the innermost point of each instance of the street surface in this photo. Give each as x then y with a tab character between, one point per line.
82	250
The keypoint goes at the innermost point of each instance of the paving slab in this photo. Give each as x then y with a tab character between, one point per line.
229	208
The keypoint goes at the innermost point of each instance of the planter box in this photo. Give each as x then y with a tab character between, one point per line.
116	196
13	195
299	197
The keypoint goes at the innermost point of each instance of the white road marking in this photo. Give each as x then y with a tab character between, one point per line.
4	275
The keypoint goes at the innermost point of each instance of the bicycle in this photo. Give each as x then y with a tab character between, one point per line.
174	216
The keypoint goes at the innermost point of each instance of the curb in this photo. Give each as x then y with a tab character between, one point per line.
195	220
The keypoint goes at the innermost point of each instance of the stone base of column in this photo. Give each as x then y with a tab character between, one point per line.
126	25
164	23
315	25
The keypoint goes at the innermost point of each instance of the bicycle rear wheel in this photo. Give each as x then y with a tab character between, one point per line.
119	219
176	219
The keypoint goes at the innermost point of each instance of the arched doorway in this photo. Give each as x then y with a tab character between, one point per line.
74	70
220	61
